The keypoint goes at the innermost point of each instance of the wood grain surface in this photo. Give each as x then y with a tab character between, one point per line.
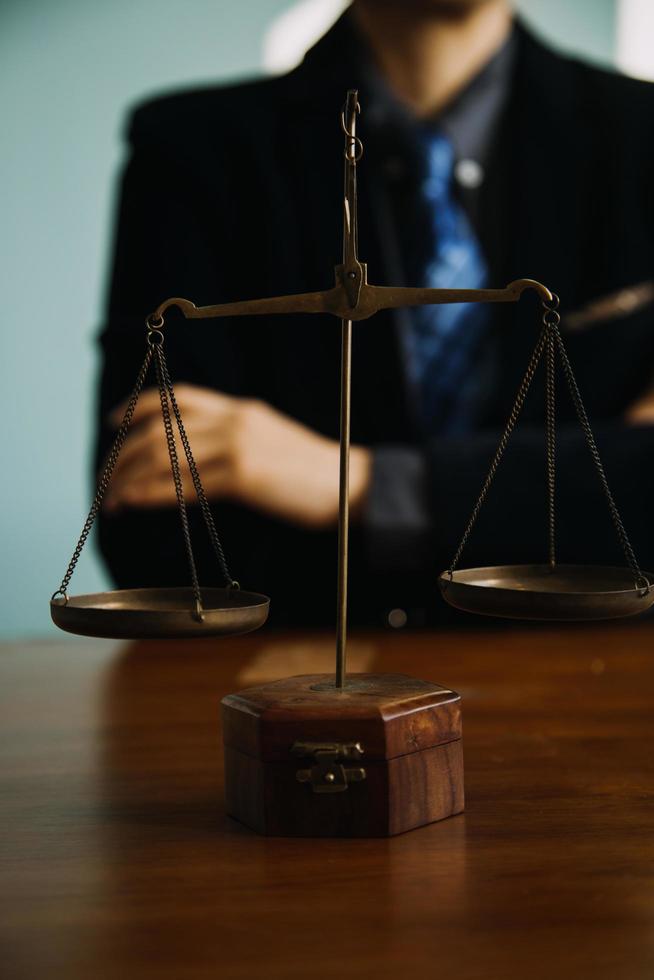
118	861
390	713
409	734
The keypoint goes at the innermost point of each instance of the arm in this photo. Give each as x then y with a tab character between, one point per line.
421	500
161	246
248	453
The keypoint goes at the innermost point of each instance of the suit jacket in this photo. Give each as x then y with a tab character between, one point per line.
235	192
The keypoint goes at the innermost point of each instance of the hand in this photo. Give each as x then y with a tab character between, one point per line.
642	411
245	450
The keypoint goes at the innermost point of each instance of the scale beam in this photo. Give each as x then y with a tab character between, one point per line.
336	301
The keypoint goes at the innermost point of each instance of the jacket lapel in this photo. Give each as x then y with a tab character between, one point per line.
544	163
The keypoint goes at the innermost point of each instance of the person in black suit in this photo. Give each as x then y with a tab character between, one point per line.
235	192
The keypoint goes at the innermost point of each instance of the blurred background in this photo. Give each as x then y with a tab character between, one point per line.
68	73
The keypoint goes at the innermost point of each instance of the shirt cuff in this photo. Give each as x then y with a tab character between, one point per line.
397	520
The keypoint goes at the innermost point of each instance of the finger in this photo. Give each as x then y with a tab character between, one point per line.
160	491
141	471
641	417
149	404
135	476
188	397
153	493
149	490
146	448
642	413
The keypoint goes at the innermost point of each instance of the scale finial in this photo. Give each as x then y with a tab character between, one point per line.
351	273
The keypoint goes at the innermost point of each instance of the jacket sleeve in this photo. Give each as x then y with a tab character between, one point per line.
421	500
163	246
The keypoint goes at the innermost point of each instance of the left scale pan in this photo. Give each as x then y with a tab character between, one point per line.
137	614
159	613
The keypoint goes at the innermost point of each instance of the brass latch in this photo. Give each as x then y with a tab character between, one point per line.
329	775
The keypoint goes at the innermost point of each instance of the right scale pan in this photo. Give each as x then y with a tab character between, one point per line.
562	592
550	591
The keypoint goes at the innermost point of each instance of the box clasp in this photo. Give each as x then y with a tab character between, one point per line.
328	774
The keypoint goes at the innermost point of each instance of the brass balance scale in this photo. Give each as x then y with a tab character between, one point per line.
548	591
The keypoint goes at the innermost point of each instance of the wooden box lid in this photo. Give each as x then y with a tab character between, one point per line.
390	714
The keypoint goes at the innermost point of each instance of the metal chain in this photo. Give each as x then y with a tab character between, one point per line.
167	398
177	480
105	475
510	425
550	427
195	476
641	582
550	339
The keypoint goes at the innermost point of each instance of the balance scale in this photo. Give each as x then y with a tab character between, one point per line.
367	754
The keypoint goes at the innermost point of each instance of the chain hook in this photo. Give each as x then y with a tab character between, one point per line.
354	146
551	318
154	325
199	611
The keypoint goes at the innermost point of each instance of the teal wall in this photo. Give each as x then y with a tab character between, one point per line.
585	27
68	69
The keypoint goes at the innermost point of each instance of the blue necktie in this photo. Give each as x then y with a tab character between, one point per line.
444	339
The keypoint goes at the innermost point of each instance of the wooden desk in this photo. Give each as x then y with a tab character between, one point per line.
119	863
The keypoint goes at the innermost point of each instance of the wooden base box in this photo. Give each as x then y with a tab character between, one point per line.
380	757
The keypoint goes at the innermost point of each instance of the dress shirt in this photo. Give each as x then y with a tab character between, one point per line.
398	510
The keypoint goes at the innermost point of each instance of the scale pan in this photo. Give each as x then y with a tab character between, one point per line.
568	592
136	614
